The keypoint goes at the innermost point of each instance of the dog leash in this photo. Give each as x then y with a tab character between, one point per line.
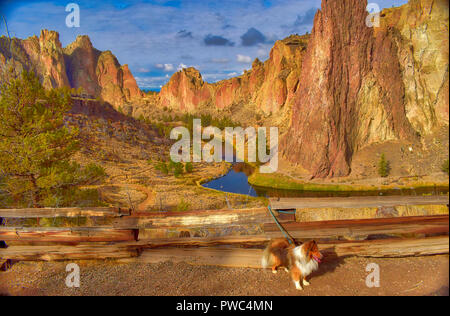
285	233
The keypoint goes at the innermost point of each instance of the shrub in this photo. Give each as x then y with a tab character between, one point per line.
183	206
189	167
161	166
176	168
445	166
383	166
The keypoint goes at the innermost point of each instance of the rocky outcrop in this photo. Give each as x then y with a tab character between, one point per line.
43	55
81	60
420	32
186	91
360	85
77	65
281	74
269	86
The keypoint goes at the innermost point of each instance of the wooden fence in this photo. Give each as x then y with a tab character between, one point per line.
227	237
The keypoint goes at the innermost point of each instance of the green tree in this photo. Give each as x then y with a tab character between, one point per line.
36	145
383	166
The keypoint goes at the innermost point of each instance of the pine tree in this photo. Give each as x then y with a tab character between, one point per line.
35	144
383	166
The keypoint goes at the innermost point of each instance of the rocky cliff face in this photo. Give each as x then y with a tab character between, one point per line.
186	91
43	55
77	65
361	85
269	86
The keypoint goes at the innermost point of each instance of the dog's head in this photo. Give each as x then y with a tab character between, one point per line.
312	251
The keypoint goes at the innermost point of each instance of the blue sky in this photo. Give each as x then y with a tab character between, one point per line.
158	37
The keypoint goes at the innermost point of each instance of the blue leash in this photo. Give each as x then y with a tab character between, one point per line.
287	212
289	238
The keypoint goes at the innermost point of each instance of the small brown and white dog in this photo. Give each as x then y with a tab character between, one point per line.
300	261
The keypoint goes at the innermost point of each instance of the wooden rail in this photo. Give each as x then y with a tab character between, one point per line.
251	258
363	227
200	218
236	257
66	235
63	212
61	252
357	201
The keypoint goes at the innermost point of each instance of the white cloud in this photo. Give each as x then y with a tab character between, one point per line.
244	59
165	67
182	66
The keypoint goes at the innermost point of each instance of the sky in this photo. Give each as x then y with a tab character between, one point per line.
156	38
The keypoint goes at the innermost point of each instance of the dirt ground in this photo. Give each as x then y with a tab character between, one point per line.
404	277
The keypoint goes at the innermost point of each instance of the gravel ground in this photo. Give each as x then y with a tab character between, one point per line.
406	276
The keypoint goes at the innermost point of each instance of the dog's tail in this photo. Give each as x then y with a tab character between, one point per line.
266	260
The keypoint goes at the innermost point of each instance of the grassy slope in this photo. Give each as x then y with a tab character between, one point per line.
278	181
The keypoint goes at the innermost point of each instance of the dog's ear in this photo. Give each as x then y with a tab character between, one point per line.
308	248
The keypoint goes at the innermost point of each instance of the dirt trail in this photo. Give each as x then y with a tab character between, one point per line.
401	276
142	206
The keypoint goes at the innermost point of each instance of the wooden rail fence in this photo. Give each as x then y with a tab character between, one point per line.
126	236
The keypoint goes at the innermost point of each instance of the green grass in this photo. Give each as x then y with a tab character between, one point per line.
277	181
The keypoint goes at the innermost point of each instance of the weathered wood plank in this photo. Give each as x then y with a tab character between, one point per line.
243	241
389	248
363	227
67	235
54	253
232	257
251	258
199	218
356	201
63	212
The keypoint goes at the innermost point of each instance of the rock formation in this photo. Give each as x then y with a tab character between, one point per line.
269	86
361	85
77	65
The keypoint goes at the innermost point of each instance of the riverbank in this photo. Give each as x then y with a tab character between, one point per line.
283	182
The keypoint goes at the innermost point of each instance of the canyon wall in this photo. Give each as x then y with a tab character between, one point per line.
361	85
77	65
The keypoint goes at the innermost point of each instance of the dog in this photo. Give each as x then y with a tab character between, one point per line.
300	261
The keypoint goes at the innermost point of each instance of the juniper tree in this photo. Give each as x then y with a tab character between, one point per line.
35	144
383	166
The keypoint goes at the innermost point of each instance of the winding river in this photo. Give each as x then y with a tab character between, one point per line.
236	181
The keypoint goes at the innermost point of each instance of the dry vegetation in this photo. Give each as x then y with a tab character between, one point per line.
130	155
